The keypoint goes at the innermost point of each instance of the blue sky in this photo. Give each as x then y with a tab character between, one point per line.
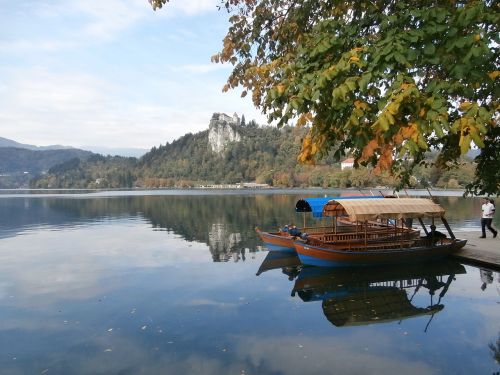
111	73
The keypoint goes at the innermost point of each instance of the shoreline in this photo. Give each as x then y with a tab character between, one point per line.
119	192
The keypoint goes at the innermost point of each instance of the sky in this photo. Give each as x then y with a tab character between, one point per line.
112	73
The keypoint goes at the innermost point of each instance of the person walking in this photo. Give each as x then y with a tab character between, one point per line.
488	209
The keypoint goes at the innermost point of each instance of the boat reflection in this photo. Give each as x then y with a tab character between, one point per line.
288	262
376	295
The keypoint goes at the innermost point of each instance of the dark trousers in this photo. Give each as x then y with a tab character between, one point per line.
486	223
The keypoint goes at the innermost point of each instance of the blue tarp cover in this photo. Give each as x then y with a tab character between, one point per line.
315	205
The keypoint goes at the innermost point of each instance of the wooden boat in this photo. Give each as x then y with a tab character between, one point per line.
374	246
354	296
282	240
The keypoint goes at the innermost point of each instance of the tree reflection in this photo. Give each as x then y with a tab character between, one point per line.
495	350
224	222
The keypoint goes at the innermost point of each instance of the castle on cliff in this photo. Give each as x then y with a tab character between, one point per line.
222	130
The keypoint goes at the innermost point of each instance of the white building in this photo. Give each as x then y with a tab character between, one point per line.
347	163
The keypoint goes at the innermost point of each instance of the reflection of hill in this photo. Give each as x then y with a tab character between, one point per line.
19	214
375	295
224	222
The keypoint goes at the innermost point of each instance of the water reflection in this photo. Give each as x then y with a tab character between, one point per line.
486	277
289	263
129	285
225	223
376	295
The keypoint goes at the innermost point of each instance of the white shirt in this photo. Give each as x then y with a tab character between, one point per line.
488	210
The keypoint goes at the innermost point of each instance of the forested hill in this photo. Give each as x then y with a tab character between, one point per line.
262	154
19	165
14	160
230	152
259	153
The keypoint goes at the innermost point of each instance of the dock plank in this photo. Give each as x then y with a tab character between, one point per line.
482	251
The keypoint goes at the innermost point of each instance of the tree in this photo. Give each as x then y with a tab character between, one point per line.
385	80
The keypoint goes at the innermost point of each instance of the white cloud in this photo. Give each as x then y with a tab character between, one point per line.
78	274
106	19
44	91
71	76
77	23
41	107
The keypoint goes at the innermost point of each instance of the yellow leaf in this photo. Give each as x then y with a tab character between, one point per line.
360	105
314	149
393	108
302	120
465	106
493	75
409	131
464	144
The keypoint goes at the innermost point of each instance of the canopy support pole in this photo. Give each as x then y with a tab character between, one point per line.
445	222
423	226
366	225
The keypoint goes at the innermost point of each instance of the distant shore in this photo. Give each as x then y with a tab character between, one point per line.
6	193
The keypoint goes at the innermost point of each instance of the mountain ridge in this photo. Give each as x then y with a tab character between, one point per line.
5	142
104	150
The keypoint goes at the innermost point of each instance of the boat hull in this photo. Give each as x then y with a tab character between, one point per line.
328	257
277	241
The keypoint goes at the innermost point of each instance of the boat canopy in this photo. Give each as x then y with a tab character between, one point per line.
373	305
315	205
373	209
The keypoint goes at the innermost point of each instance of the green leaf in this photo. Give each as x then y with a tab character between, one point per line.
429	49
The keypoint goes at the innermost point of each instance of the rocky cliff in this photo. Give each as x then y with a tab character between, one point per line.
223	130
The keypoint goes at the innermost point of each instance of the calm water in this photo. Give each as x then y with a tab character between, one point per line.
179	284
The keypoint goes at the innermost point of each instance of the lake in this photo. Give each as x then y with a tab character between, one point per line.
177	282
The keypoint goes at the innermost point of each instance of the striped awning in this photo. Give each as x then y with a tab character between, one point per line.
391	208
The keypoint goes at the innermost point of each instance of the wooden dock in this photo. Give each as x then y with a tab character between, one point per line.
480	251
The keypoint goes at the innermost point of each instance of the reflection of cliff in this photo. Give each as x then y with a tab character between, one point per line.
222	243
377	295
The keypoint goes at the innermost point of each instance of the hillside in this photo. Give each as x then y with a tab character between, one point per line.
229	152
19	165
260	152
187	161
14	160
